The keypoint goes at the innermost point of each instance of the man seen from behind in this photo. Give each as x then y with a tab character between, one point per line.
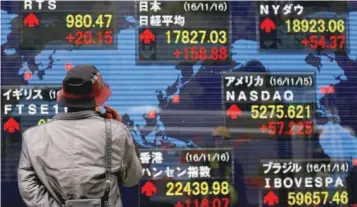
65	159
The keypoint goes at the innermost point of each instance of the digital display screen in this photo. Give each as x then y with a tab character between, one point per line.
229	103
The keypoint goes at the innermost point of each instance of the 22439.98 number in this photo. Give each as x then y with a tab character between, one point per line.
197	188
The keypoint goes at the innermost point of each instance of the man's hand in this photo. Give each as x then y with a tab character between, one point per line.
111	113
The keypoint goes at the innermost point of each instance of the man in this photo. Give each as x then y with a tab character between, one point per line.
64	159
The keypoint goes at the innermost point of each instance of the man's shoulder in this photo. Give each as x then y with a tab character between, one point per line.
119	126
31	131
121	130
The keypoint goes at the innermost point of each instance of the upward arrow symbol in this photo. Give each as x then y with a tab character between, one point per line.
271	199
234	112
148	189
11	125
147	36
31	20
267	25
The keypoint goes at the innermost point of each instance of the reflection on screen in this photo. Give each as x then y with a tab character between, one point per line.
231	103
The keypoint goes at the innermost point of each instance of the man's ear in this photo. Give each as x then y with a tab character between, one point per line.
97	109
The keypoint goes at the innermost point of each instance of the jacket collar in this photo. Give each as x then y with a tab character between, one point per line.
76	115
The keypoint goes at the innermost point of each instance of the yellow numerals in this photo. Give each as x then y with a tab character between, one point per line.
340	197
196	36
315	25
41	121
87	21
317	198
280	111
197	188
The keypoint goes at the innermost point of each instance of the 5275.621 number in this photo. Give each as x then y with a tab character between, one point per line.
280	111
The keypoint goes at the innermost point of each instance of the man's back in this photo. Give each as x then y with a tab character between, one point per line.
68	156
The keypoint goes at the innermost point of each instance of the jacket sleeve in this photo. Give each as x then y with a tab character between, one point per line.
32	191
132	167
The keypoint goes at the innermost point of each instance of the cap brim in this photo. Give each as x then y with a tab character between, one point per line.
105	93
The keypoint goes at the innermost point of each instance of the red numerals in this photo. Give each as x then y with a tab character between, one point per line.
332	42
83	38
300	128
201	53
337	41
215	202
88	38
105	37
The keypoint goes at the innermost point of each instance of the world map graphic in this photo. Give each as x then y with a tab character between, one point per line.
151	87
